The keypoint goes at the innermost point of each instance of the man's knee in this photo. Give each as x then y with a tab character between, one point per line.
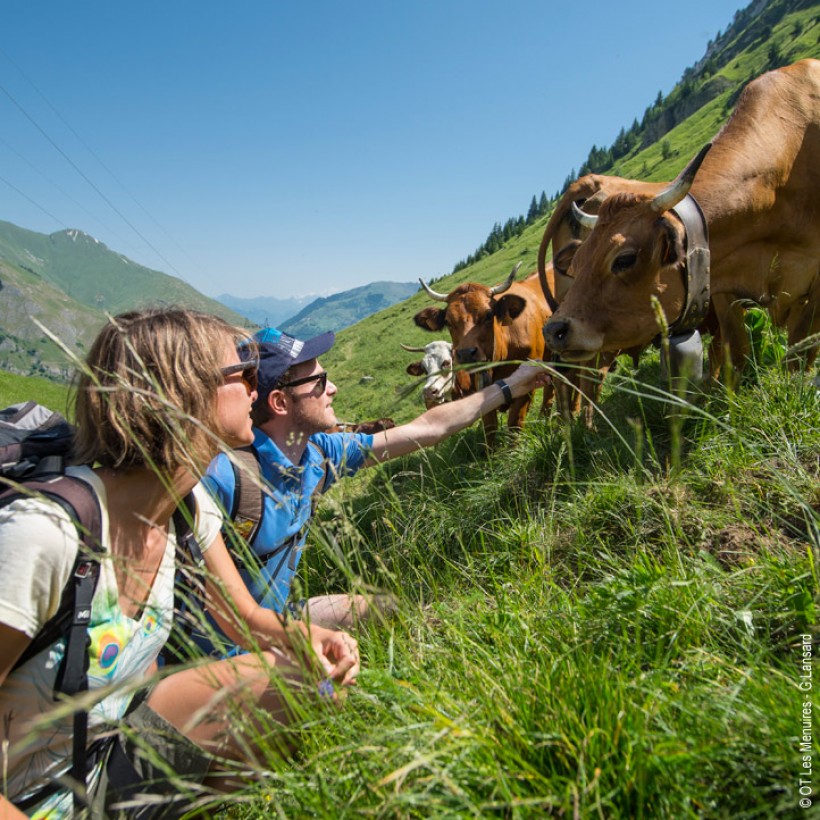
345	611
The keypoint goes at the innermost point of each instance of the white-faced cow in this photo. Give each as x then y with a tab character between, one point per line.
565	232
758	189
437	366
498	324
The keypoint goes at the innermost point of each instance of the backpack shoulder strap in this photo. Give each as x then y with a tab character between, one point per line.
323	486
74	613
184	517
80	501
248	495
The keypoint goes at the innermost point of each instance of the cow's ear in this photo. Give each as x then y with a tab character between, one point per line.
509	307
671	244
430	318
415	369
563	259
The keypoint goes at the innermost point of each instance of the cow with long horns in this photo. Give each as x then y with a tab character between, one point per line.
491	326
580	388
756	191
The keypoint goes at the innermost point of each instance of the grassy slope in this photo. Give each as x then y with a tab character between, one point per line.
592	625
15	389
585	629
92	274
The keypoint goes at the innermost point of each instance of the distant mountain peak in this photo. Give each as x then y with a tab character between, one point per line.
75	235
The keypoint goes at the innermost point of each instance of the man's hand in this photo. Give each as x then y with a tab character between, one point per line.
528	377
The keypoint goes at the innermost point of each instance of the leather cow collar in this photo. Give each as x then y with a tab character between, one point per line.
696	269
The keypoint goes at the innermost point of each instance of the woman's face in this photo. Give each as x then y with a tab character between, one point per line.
233	403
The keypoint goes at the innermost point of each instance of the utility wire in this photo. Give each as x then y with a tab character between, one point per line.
35	204
83	175
100	161
62	191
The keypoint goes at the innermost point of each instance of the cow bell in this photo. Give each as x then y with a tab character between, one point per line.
685	364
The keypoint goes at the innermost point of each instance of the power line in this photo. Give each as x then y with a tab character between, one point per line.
100	161
36	204
61	190
85	177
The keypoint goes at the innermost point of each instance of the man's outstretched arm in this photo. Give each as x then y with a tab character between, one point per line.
444	420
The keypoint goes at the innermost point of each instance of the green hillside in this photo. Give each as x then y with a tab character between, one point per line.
618	623
15	389
26	298
367	363
92	274
68	281
341	310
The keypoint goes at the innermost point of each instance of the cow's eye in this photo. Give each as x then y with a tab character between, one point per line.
624	262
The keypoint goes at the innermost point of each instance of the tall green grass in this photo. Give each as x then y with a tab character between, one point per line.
586	630
600	623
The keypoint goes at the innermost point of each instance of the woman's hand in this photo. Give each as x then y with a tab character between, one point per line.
338	652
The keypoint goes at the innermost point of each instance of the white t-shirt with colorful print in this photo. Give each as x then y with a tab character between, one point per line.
38	547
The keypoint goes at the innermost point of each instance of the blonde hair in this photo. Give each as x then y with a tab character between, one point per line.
147	396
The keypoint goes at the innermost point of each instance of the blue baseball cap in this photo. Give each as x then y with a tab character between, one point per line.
278	352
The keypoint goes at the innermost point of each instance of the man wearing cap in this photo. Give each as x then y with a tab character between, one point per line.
297	457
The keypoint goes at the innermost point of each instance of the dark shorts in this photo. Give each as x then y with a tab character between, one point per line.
152	770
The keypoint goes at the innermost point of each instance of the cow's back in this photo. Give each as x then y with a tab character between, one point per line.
766	159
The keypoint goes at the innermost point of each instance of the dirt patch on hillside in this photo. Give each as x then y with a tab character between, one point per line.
739	545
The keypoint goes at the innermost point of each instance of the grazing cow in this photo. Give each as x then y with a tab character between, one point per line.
758	190
437	365
566	233
499	324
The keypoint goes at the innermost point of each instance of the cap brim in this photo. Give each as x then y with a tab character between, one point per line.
315	347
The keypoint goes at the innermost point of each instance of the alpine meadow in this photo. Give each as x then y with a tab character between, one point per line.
616	622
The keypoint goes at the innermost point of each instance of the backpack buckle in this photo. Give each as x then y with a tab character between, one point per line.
84	569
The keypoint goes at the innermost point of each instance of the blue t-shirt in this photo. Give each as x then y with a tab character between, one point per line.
287	502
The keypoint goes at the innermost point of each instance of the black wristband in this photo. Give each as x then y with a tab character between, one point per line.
505	389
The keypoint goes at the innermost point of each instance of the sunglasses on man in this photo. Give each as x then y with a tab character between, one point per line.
320	378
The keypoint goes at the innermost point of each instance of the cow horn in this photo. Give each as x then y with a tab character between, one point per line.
506	284
441	297
679	188
412	349
583	218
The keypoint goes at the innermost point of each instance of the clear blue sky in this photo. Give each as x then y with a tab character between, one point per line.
279	149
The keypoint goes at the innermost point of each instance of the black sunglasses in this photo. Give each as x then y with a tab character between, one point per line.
321	378
248	370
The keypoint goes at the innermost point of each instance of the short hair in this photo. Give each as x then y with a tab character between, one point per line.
260	411
147	395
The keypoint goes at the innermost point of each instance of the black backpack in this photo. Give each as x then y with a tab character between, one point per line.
35	444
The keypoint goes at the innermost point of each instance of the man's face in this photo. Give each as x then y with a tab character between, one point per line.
311	401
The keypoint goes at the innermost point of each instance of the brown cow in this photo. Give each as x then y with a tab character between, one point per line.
499	324
759	191
566	233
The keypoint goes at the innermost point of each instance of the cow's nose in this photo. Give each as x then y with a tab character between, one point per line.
465	355
556	332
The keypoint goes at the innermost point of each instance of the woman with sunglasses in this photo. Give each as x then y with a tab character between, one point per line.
299	458
161	392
